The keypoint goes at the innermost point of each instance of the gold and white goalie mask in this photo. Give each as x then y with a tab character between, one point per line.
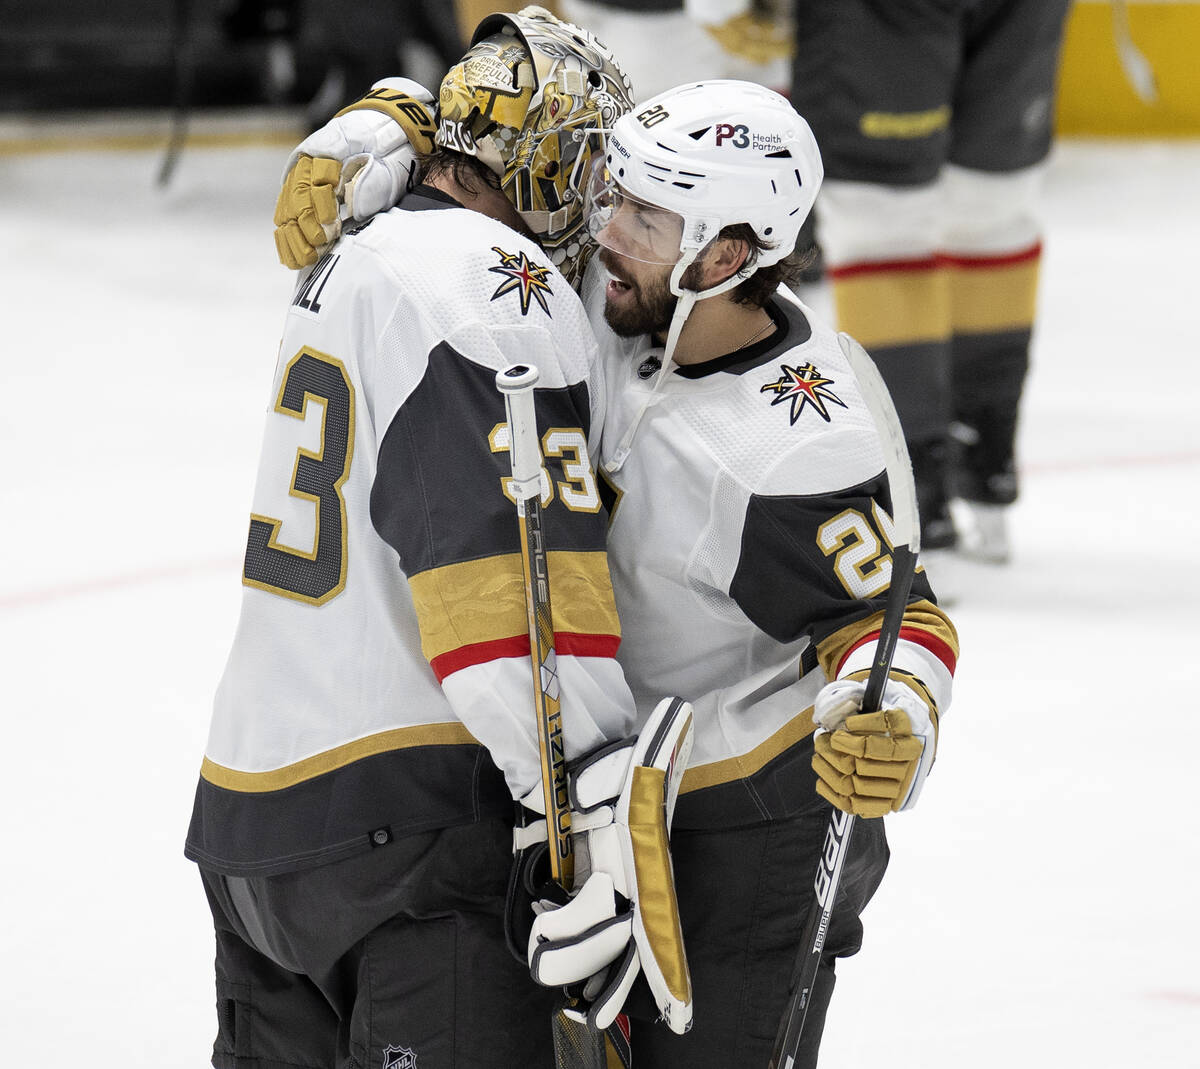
531	99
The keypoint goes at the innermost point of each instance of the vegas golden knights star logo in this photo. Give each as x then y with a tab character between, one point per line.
803	386
398	1058
522	276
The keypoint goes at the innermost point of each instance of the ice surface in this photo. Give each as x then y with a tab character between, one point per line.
1041	905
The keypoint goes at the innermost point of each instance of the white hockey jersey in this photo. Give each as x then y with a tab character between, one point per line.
749	548
379	681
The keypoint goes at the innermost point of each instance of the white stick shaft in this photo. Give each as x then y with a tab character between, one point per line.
516	382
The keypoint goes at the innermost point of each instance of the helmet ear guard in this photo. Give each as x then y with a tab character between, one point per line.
529	100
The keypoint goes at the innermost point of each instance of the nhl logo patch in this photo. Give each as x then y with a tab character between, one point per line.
398	1058
522	277
648	367
803	386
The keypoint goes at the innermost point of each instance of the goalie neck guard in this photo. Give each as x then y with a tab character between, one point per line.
530	100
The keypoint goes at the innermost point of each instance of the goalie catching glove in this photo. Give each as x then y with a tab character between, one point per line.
870	764
359	163
623	916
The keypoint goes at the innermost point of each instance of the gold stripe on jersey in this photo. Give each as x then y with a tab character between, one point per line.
893	304
745	765
993	296
275	779
922	617
484	600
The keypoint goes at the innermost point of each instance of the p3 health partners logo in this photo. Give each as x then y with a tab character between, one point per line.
739	135
399	1058
523	277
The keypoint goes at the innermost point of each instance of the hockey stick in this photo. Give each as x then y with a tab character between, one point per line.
1135	65
576	1046
906	536
183	73
516	383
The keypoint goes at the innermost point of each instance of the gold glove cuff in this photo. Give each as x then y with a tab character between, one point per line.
410	113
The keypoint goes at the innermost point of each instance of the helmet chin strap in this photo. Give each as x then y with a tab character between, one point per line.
685	302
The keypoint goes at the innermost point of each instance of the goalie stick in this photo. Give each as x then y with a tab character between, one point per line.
516	383
907	539
576	1046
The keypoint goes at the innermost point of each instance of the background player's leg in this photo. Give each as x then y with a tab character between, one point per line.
876	82
1004	109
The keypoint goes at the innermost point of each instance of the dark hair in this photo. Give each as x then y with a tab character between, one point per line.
467	171
765	281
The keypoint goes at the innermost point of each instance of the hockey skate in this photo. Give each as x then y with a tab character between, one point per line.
982	531
984	483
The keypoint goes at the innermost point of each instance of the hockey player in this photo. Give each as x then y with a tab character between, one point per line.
935	118
749	547
354	816
748	544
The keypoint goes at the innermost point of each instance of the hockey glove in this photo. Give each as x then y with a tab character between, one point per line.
624	915
870	764
359	163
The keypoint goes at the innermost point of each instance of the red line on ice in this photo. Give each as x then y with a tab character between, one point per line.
146	577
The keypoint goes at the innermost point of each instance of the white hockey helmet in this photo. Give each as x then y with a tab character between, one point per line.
714	154
530	100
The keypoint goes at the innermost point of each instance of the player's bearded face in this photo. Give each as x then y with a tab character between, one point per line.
638	299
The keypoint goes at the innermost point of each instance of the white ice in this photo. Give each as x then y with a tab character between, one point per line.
1042	904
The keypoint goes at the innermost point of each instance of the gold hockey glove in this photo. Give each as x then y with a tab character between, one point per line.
306	214
870	764
362	162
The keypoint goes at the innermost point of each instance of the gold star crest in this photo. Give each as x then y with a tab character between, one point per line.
524	277
803	386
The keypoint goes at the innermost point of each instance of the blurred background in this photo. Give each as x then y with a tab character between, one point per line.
130	56
139	54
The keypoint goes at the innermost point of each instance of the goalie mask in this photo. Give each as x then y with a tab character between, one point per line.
530	100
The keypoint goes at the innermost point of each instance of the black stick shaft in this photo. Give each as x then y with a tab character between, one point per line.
907	534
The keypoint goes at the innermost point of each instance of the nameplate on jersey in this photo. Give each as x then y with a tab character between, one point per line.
310	296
